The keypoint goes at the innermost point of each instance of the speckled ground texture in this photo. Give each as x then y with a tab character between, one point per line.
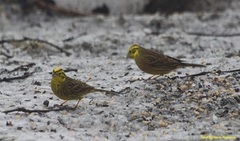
159	109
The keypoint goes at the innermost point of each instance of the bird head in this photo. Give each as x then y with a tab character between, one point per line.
58	74
133	51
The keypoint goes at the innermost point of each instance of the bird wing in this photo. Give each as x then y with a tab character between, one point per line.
156	59
78	87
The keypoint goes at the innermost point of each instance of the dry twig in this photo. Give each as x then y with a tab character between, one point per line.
22	109
6	55
52	7
23	67
35	40
25	75
206	72
213	35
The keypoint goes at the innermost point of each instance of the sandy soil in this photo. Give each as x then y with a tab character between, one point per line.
161	109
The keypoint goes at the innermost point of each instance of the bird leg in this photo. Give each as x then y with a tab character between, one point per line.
78	103
63	102
153	77
149	78
156	76
88	79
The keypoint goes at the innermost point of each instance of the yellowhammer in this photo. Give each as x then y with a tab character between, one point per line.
67	88
154	62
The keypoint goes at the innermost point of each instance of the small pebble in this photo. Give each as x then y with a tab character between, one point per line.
163	123
9	123
46	103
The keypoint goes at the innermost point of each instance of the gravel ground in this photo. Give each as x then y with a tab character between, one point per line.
166	108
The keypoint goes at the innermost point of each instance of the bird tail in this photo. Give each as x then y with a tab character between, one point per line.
107	92
192	65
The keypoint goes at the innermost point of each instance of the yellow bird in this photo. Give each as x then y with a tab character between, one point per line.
154	62
67	88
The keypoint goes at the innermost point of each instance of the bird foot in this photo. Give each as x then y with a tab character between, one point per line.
153	77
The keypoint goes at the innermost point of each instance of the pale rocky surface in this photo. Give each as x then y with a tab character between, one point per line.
162	109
